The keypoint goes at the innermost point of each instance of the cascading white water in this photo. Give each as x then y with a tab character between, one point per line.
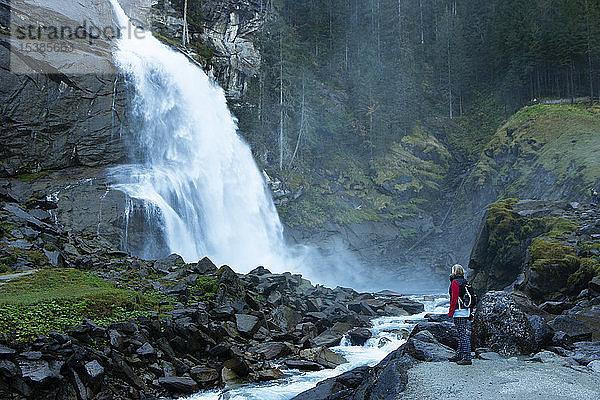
202	191
196	173
386	337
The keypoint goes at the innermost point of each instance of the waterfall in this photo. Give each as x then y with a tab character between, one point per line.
201	190
193	167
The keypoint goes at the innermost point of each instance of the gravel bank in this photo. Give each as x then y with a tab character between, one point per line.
502	379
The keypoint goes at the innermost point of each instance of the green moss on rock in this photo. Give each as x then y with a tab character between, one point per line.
391	187
553	227
504	225
589	268
544	253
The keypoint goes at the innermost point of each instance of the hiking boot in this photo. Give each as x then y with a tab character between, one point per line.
464	362
454	359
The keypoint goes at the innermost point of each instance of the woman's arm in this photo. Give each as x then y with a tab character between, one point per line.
453	297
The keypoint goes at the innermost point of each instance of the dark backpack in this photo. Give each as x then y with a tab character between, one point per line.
466	295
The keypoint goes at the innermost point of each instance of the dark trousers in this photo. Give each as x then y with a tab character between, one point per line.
464	338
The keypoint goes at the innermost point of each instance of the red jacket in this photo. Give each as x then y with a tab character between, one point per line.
454	288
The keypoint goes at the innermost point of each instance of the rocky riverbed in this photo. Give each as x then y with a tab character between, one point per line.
81	319
534	336
184	327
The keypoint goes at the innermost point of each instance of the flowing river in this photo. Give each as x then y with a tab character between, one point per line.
387	336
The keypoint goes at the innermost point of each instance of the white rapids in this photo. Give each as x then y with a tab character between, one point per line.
387	337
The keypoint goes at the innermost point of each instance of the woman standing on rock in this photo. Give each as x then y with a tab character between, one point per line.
461	314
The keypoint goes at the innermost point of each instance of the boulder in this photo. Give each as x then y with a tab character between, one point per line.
586	352
576	330
303	365
115	338
491	356
8	369
542	332
594	366
269	374
561	339
323	356
259	271
306	329
410	306
223	312
22	215
271	350
438	318
362	308
38	371
556	307
178	384
31	355
387	380
146	350
6	352
394	311
231	289
443	332
93	369
204	266
548	357
179	289
168	264
126	327
237	367
328	338
247	324
204	376
220	351
591	318
594	284
285	318
339	387
501	325
359	336
424	347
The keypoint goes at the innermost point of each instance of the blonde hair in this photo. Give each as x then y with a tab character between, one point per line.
458	269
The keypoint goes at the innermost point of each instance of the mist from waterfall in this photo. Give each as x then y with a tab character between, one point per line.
198	178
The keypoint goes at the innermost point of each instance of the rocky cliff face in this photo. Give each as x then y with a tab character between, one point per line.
549	250
224	45
58	121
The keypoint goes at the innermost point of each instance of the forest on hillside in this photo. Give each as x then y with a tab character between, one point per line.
347	74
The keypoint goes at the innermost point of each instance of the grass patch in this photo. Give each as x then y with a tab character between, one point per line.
205	288
28	178
58	299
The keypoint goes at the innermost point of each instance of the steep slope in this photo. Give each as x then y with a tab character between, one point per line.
543	152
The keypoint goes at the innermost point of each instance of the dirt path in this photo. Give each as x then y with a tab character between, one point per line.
499	380
8	277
